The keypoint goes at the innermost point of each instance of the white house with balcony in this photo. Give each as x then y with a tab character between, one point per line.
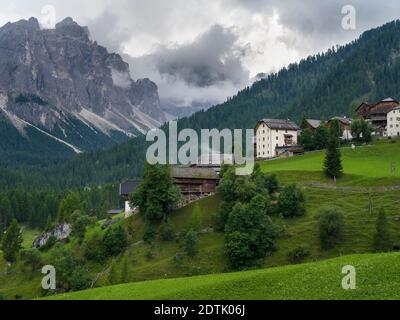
393	123
274	136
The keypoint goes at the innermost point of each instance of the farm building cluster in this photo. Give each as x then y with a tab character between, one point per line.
273	138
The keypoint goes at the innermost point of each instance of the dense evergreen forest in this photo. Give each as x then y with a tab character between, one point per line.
321	86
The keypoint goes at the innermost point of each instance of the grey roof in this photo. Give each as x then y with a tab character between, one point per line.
280	124
314	123
128	186
194	173
342	119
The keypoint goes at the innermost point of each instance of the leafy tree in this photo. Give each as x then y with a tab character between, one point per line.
79	224
167	231
331	225
150	233
79	279
190	243
12	241
361	131
292	202
306	139
115	240
250	233
157	195
321	137
32	258
68	206
382	239
63	260
93	248
333	159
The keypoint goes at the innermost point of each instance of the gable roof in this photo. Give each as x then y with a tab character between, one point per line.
346	121
194	173
128	186
314	123
279	124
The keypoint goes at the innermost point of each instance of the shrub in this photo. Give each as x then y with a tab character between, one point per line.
79	279
190	243
115	241
382	240
149	233
298	254
292	202
167	232
331	225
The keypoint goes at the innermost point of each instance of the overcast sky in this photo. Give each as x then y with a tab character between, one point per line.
206	50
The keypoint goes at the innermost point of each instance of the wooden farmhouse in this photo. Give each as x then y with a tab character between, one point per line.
377	114
195	181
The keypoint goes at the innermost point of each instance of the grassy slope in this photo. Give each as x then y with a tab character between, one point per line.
365	166
154	262
377	278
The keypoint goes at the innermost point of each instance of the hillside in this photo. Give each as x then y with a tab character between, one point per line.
320	86
319	280
360	207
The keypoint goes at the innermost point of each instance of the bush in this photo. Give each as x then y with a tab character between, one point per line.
190	243
298	255
93	248
149	233
115	241
382	240
292	202
331	225
79	279
167	232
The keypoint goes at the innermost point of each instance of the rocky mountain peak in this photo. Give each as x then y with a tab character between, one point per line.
51	77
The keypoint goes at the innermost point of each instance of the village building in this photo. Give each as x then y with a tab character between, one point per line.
377	115
393	123
275	137
195	182
345	127
125	189
312	125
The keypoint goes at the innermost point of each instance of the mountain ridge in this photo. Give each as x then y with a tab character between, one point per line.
63	83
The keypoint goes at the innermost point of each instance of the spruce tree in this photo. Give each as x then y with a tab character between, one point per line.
12	241
333	161
382	239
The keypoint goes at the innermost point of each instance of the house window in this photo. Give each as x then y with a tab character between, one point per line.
277	138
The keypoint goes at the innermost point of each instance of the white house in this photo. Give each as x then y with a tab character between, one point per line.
274	133
393	123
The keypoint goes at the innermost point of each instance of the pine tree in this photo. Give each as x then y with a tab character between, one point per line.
382	239
333	161
12	241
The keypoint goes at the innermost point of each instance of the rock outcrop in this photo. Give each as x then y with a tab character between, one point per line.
60	233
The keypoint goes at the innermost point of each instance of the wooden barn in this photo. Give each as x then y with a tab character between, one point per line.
376	114
195	180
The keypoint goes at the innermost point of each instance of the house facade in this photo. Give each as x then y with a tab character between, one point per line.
345	126
393	123
377	115
125	189
274	134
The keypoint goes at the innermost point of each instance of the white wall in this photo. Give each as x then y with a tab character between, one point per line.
268	139
393	123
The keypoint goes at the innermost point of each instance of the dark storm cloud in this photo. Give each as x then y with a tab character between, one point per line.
210	59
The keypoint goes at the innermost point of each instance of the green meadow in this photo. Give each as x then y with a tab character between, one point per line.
377	277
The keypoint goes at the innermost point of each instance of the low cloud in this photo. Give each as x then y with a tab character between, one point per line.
204	71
